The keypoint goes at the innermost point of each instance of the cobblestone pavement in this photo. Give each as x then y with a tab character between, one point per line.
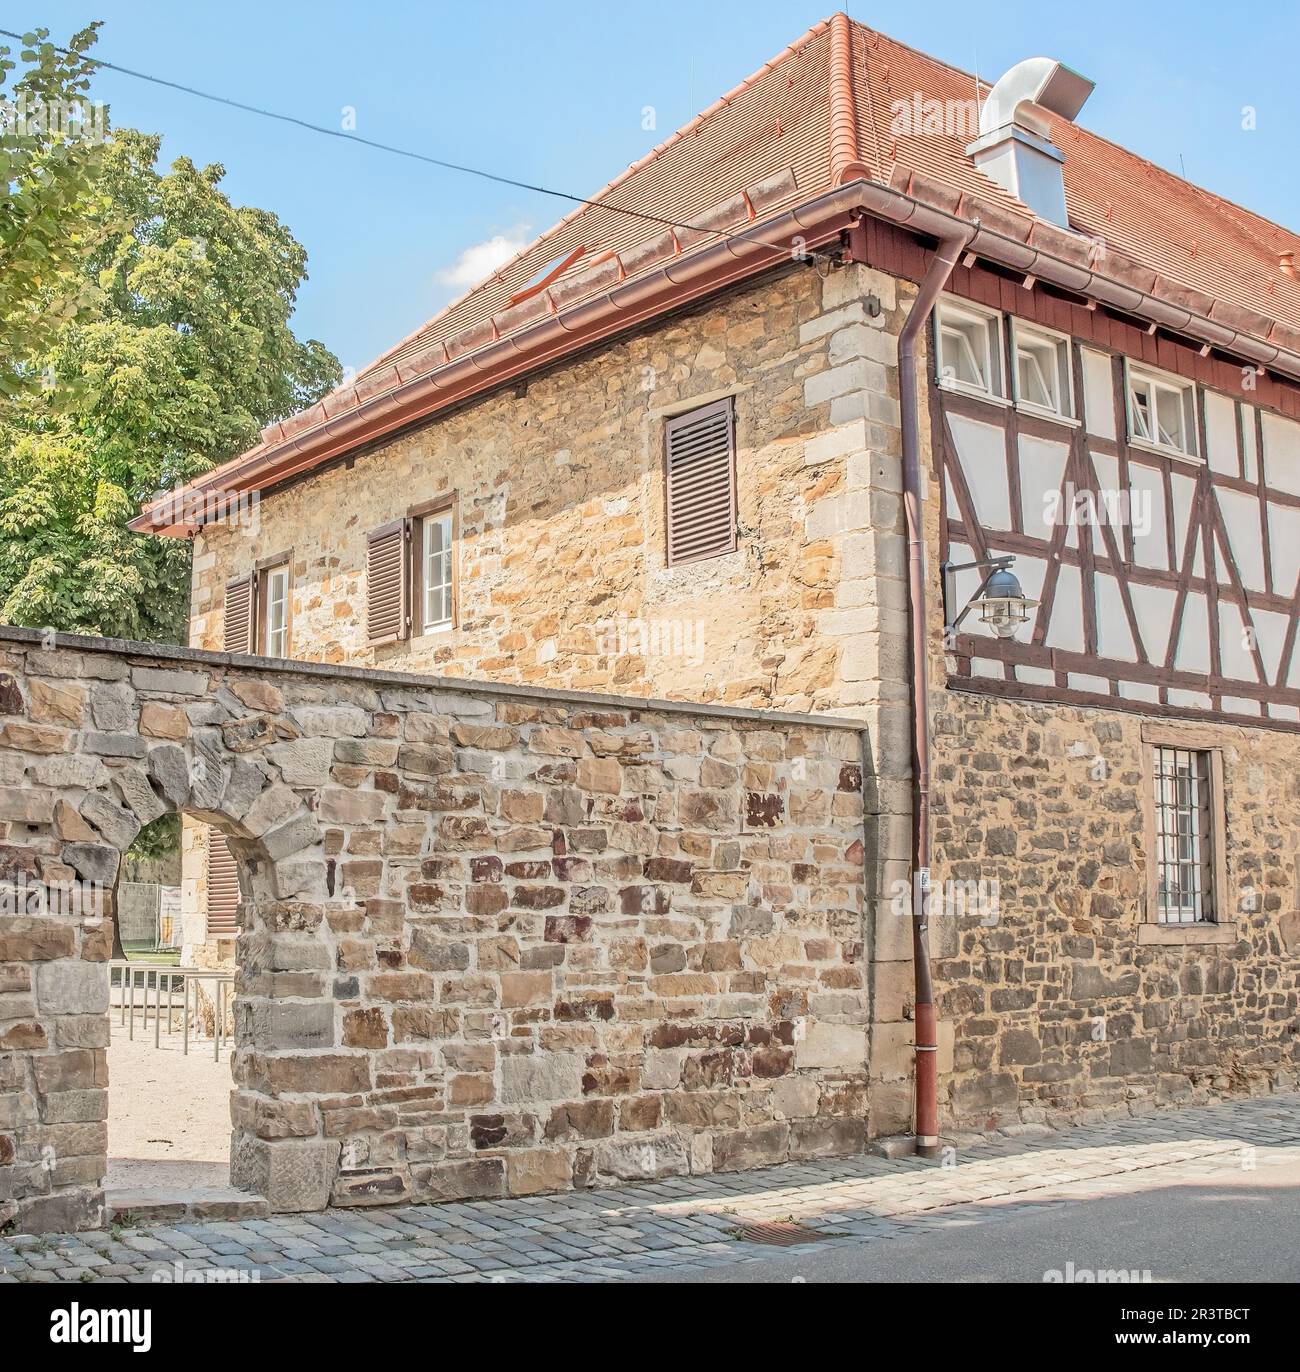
624	1234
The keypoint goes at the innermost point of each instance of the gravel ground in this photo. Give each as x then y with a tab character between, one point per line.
168	1113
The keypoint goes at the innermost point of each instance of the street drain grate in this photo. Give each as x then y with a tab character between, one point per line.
780	1233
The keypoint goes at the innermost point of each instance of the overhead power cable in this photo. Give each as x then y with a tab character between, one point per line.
445	165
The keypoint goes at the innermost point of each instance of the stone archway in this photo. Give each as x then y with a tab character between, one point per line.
113	745
495	940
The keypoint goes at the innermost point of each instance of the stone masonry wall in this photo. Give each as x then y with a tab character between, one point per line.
496	941
1061	1010
560	494
562	575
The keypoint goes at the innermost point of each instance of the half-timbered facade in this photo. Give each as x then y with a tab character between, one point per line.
1150	496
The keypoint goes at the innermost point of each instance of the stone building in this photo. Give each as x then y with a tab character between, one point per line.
1112	401
548	933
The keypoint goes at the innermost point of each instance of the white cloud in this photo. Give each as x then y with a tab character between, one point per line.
480	260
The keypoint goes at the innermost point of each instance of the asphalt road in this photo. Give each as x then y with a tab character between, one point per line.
1243	1228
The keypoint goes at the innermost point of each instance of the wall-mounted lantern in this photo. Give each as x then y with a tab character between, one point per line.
1003	605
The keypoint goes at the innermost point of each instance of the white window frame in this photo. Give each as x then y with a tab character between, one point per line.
444	583
990	360
1063	356
1157	382
277	600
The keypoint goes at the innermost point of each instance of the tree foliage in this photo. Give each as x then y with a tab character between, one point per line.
52	204
178	354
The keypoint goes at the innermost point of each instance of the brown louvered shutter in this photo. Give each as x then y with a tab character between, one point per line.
241	614
388	599
701	483
223	887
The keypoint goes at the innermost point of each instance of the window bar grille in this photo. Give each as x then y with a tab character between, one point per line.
1183	836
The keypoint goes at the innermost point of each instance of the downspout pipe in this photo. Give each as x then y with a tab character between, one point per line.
926	1023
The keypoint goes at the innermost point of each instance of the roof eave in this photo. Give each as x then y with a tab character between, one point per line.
680	281
1050	254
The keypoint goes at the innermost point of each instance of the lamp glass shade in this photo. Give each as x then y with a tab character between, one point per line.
1004	606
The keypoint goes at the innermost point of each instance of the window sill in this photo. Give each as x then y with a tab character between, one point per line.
1164	450
1066	421
433	632
1177	935
974	392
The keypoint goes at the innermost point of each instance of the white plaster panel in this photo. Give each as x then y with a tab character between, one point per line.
1270	633
1284	546
1193	653
1282	453
1114	637
982	452
1150	544
1042	470
1235	656
1098	393
1066	630
1153	607
1241	520
1221	434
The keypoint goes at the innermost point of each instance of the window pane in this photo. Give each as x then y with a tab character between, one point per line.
1169	414
1184	891
277	612
437	563
960	358
1036	367
1141	410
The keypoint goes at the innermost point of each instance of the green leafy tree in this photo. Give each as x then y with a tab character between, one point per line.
183	356
52	204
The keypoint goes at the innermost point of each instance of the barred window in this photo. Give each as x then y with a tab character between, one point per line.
1184	837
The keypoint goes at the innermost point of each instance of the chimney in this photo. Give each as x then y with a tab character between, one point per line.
1014	148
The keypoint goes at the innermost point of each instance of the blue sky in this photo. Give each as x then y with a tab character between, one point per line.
553	94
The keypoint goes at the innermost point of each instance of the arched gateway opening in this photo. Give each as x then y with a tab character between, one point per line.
493	940
111	746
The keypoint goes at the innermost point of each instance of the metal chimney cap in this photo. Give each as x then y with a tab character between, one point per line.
1043	80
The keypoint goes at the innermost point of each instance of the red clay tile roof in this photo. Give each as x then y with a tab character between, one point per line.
1168	224
822	113
780	131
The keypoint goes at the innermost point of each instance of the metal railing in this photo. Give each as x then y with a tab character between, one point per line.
128	977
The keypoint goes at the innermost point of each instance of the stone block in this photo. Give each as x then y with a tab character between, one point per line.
532	1171
319	1074
644	1158
78	1069
453	1181
892	1051
118	826
72	988
26	938
894	990
164	681
137	795
303	761
277	1025
839	1047
169	767
292	1174
96	862
827	1137
64	1212
537	1077
372	1186
329	721
761	1146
